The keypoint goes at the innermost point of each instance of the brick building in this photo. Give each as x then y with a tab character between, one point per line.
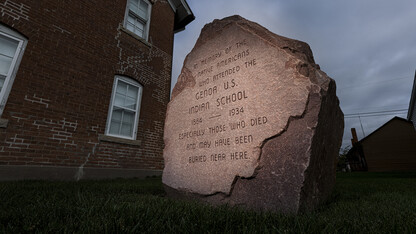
84	86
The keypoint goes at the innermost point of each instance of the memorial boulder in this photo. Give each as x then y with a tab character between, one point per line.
253	122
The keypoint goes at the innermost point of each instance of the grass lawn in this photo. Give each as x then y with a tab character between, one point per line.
361	203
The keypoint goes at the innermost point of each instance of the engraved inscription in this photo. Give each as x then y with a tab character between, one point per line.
224	124
199	108
234	97
220	122
206	92
226	73
234	58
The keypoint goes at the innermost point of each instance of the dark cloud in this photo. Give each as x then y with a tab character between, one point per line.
368	47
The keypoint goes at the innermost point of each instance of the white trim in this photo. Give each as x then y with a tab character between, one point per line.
185	5
172	6
17	57
137	109
149	13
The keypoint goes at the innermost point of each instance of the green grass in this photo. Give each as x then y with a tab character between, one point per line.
360	203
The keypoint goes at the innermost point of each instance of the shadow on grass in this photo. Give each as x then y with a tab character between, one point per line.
356	186
361	202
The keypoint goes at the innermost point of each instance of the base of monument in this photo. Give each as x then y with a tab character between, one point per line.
301	180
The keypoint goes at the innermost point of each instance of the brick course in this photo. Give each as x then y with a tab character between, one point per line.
57	109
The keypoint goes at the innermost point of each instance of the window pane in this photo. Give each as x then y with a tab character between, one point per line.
131	19
5	63
126	130
8	46
139	25
139	32
121	87
126	95
119	100
117	114
130	26
128	117
114	128
143	9
130	103
139	28
128	122
134	6
116	121
132	92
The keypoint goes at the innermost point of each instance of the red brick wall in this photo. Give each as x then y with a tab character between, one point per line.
58	105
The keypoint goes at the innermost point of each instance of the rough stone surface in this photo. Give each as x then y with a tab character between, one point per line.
252	122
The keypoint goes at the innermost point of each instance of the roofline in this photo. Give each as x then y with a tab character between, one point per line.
182	17
412	100
395	117
187	8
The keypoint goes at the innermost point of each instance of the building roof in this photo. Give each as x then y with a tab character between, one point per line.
388	122
412	100
183	14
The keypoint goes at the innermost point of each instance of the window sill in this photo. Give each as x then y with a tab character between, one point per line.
136	37
3	123
119	140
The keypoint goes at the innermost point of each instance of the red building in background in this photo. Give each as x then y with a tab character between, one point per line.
391	147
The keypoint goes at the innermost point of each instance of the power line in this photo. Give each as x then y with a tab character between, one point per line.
373	82
357	116
379	107
374	112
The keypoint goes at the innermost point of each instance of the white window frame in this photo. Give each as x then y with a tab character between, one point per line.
10	77
131	82
147	21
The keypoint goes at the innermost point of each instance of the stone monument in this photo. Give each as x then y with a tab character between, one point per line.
253	122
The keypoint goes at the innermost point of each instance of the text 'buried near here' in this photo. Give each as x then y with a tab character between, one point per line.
221	120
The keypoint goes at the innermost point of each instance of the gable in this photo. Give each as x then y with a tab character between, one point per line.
394	128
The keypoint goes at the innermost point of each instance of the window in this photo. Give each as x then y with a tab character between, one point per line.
124	108
138	17
12	45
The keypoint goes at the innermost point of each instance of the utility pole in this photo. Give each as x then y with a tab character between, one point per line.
362	129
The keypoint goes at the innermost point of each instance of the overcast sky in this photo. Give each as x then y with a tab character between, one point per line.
367	46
